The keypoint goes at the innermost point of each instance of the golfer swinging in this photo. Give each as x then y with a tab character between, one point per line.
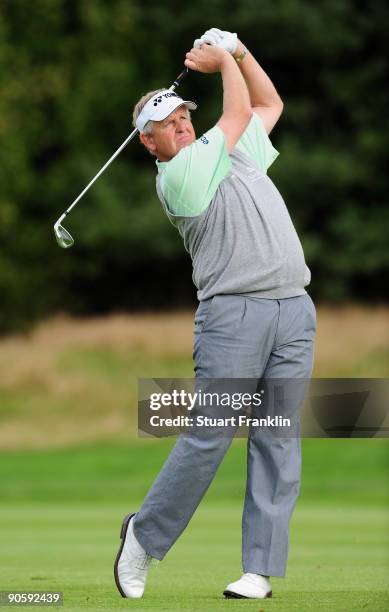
254	320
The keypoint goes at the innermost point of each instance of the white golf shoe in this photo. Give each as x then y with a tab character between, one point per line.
250	586
132	562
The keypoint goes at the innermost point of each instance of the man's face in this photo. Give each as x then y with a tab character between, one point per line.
170	135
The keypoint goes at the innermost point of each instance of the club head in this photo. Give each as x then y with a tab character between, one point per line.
63	237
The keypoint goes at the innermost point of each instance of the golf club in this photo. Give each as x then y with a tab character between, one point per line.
64	239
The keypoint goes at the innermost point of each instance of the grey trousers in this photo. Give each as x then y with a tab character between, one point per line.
238	336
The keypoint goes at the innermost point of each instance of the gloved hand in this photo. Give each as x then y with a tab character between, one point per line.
218	38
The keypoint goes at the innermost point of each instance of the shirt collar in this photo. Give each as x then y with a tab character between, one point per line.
160	165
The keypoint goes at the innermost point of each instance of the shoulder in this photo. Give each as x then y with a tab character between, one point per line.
190	180
205	152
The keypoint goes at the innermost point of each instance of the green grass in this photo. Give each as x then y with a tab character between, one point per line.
61	512
73	469
71	548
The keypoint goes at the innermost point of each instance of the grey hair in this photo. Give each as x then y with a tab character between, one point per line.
148	128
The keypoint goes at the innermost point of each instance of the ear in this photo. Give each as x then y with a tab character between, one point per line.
148	141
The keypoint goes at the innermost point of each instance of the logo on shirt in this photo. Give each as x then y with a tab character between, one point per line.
204	140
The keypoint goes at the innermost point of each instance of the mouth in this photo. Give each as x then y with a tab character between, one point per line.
183	138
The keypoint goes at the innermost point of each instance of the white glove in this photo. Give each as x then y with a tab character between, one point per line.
218	38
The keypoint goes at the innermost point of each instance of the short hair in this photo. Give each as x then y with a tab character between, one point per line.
148	128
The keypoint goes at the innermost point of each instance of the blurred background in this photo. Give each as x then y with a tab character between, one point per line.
71	72
79	327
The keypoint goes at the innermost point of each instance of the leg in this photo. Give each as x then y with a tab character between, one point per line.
274	463
225	347
178	490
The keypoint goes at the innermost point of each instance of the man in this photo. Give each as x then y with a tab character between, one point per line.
254	320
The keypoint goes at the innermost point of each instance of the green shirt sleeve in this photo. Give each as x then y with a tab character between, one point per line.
189	180
256	144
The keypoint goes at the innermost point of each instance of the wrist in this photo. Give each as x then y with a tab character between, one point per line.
226	60
240	53
239	49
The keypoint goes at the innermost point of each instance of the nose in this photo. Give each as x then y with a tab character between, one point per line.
180	125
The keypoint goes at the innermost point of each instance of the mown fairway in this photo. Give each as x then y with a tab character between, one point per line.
61	513
72	466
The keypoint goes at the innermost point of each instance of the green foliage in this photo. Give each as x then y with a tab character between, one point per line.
70	73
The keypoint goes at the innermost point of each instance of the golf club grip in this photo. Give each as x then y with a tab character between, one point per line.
181	77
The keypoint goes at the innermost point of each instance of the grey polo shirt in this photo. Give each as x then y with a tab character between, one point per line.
233	220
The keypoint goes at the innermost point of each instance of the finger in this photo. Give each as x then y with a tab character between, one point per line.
193	55
190	64
203	47
217	32
210	31
208	42
211	39
206	37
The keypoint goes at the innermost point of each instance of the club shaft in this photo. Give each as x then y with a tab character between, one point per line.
176	83
100	172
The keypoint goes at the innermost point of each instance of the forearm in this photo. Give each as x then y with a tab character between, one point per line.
261	90
236	98
237	110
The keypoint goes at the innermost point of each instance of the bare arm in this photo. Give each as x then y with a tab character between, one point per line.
264	98
237	110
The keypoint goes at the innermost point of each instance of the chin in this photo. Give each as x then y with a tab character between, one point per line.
184	143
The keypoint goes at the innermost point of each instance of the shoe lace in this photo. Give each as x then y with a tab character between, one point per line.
143	560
